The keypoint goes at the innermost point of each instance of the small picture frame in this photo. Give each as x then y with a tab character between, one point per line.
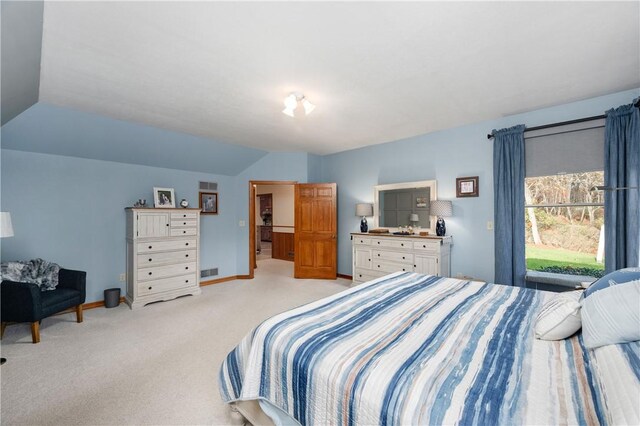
164	198
208	202
467	187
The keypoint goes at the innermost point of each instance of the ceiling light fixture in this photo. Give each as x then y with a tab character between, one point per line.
291	103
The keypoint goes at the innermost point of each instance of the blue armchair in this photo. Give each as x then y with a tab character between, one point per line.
23	302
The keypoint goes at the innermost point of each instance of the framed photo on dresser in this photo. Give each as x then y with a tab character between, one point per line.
164	197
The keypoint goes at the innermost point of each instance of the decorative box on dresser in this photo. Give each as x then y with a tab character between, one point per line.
375	255
163	254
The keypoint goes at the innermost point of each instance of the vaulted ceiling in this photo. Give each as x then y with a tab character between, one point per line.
376	71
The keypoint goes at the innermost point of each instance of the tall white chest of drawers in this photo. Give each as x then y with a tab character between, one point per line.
163	254
376	255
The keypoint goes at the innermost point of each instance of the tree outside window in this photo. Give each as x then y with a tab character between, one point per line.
564	223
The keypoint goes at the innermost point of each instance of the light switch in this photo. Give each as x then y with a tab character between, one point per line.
241	223
490	225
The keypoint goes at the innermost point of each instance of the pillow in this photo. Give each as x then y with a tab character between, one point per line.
612	315
621	276
559	317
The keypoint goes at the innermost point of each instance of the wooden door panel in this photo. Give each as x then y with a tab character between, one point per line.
316	231
305	222
325	254
323	216
305	254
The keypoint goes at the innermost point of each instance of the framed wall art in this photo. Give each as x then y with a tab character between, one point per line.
467	186
208	202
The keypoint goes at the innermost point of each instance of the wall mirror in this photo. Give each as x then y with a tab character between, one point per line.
394	205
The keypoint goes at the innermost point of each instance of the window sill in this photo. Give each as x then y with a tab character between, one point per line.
563	280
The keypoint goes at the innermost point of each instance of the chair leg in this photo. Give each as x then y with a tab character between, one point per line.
35	331
79	313
2	327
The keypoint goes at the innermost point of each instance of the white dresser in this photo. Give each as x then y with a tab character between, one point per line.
163	252
375	255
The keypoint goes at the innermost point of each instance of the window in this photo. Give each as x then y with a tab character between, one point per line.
564	215
564	224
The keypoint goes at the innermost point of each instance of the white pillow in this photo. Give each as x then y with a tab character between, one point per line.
612	315
559	317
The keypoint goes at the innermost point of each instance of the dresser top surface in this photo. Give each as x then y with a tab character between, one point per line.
414	236
171	209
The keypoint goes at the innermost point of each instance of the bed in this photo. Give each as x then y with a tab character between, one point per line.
416	349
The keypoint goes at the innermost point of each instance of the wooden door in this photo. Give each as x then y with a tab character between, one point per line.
315	230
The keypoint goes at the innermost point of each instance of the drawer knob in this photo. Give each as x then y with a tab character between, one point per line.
186	281
184	223
360	275
423	246
378	242
378	254
401	244
369	260
150	247
403	257
186	244
403	269
186	255
186	267
378	266
150	288
184	232
167	224
150	273
414	266
150	259
184	215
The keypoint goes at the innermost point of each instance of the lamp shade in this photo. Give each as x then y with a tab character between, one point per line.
441	208
364	209
6	229
414	218
308	106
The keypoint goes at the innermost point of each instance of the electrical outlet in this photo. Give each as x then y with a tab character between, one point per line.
123	277
490	225
241	223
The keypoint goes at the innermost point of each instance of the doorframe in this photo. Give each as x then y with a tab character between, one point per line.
252	217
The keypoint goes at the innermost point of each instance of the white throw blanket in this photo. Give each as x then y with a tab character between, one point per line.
37	271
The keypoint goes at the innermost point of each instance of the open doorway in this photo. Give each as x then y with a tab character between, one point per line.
272	227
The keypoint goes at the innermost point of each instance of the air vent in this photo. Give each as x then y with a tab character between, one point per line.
208	272
208	186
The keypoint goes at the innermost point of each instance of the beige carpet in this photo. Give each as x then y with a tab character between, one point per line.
154	365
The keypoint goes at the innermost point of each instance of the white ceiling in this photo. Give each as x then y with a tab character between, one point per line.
376	71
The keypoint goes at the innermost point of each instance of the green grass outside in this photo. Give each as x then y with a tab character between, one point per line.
539	257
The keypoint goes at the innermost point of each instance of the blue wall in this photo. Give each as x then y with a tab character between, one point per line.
71	211
444	156
56	130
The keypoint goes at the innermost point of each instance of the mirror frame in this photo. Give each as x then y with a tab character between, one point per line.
433	195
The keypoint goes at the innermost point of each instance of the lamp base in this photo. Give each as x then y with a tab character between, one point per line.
364	226
441	229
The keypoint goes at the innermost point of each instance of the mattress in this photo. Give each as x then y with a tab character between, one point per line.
415	349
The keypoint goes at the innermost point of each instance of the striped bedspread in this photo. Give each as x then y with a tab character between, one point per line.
413	349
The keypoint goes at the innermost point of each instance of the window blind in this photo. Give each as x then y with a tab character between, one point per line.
572	148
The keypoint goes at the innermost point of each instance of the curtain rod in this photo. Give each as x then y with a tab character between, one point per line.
564	123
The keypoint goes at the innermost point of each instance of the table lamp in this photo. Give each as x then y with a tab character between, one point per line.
441	209
413	218
364	210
